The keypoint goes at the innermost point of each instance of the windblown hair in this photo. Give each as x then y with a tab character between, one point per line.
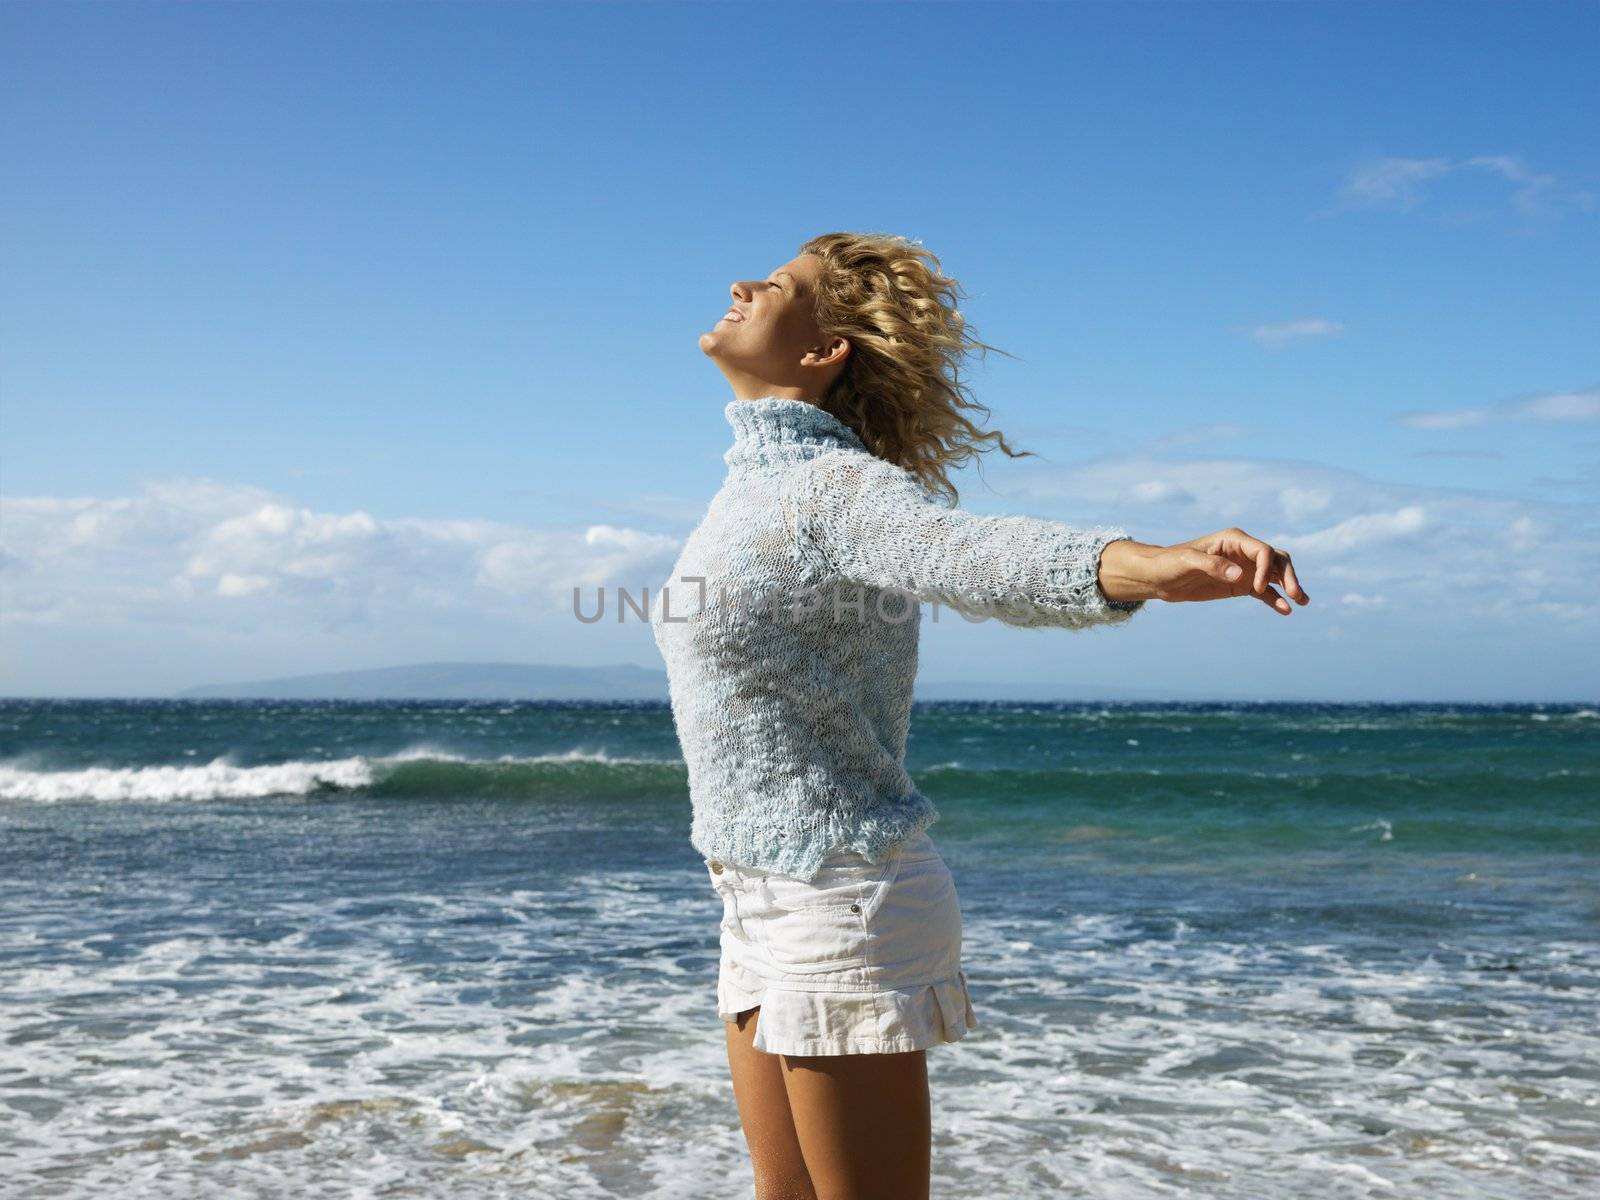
901	389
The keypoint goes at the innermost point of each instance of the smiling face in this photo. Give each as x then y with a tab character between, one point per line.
768	342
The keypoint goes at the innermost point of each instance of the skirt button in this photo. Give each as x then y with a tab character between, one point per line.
855	908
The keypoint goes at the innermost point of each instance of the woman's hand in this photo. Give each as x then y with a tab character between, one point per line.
1215	567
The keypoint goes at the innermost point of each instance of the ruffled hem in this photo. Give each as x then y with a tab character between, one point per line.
850	1022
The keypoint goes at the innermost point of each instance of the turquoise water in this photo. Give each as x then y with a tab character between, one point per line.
425	949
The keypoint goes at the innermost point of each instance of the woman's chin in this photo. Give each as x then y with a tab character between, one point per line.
713	341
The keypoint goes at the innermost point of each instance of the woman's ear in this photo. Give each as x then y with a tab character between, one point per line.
836	351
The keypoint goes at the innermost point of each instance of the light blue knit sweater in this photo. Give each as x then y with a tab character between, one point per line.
789	628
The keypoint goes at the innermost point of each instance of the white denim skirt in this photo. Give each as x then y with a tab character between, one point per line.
865	958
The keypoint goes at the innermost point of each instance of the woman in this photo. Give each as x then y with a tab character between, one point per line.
789	629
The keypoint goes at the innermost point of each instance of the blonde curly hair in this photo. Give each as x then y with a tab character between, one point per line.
901	389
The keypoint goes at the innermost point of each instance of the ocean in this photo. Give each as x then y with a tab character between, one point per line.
399	949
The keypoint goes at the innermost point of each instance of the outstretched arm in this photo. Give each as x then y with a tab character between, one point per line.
867	520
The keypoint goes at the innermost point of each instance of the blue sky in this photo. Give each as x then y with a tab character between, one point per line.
352	335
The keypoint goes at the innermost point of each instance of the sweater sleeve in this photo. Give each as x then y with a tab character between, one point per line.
867	520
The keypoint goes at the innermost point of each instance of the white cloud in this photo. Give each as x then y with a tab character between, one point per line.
1490	455
1466	557
1550	409
1281	334
1402	183
184	547
1562	407
1391	182
1299	502
1159	491
1365	529
1213	431
1455	418
242	585
1524	534
1531	190
1199	489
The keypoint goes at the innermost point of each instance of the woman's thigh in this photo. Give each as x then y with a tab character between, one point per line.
863	1123
758	1087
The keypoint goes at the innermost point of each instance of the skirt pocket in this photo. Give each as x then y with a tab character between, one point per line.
733	919
822	925
917	933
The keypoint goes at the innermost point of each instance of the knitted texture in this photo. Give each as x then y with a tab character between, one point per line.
789	628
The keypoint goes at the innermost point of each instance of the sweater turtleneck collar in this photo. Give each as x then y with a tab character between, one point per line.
775	430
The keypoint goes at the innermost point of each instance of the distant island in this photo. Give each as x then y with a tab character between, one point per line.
623	681
452	681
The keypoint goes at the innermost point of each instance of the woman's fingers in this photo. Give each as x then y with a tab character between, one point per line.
1261	553
1274	600
1218	566
1271	565
1263	556
1291	582
1229	551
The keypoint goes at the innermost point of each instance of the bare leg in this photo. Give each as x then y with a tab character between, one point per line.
864	1123
764	1112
